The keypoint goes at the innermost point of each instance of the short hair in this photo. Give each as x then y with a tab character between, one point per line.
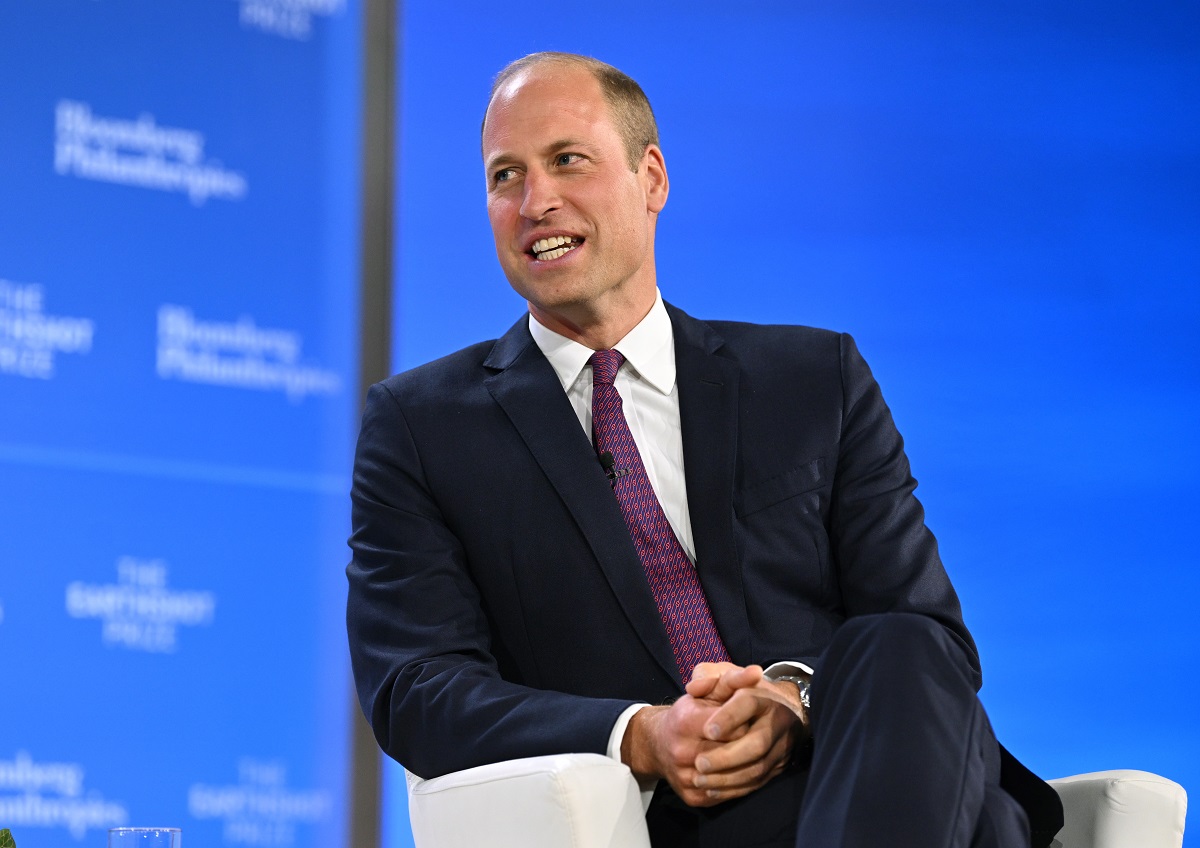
626	101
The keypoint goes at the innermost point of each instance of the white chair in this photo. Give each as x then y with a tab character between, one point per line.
560	801
590	801
1121	809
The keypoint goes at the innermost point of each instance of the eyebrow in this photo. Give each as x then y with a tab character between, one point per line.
504	159
562	144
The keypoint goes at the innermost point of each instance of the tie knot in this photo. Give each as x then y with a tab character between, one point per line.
605	364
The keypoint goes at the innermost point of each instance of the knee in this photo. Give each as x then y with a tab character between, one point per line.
905	628
901	640
898	666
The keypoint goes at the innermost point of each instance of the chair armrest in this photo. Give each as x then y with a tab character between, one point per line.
1121	809
590	801
576	800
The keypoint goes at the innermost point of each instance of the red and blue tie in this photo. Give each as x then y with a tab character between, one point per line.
672	578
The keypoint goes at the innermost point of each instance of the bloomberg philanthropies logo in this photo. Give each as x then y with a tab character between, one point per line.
139	153
239	354
51	795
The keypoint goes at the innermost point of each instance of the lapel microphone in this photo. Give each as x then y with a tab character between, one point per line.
607	462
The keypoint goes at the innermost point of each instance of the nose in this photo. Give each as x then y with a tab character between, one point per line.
540	195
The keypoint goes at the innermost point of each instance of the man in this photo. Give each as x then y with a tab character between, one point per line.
594	533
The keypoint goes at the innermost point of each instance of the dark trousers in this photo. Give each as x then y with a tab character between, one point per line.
902	756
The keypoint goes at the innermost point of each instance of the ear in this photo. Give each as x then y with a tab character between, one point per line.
653	174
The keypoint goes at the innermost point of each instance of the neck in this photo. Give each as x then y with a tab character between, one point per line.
593	330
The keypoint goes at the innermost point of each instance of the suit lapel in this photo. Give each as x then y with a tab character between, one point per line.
527	389
708	411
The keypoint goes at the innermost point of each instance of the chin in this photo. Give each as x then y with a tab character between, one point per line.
550	296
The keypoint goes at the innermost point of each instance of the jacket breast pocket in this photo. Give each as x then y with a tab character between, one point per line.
803	478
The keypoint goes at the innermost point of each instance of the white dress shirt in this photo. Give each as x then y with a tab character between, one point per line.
649	397
650	401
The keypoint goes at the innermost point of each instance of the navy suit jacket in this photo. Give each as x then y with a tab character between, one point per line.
497	607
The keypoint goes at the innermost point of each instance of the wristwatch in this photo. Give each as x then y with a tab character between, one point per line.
803	684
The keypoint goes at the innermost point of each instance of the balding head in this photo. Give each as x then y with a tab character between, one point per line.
628	104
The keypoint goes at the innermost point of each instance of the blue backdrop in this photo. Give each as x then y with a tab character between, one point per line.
178	388
1001	201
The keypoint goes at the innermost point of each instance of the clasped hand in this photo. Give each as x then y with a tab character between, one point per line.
730	734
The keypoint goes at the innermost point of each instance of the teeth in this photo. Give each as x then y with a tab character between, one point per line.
554	254
553	247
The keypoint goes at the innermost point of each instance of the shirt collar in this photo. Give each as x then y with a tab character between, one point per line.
649	348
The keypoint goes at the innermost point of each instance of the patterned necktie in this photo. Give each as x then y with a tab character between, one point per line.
673	581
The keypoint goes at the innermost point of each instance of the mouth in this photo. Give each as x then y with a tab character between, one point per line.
553	247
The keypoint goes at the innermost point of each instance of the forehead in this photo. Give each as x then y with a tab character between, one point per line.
543	106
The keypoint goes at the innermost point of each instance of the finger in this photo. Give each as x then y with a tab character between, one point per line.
732	756
702	687
711	669
746	776
695	797
704	790
734	679
738	677
728	784
741	708
768	690
768	732
706	677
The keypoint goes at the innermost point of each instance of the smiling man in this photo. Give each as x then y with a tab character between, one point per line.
596	532
572	208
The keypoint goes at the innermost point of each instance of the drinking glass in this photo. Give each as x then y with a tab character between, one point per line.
145	837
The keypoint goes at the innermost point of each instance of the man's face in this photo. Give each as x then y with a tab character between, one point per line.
574	226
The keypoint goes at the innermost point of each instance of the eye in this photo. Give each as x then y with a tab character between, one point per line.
567	158
503	175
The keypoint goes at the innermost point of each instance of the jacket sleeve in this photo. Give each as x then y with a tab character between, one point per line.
887	559
419	638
